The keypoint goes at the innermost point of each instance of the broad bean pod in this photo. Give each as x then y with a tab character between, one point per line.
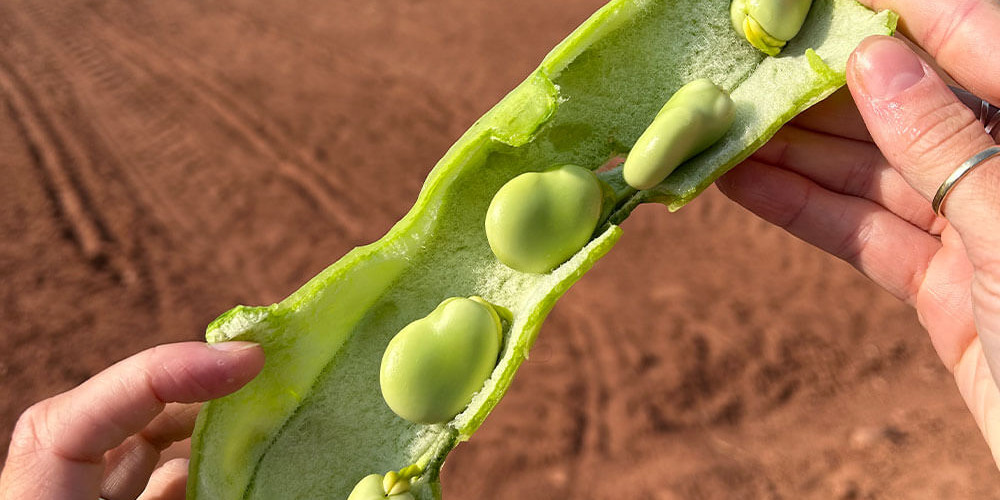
314	423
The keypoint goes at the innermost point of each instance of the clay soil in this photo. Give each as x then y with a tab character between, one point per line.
163	161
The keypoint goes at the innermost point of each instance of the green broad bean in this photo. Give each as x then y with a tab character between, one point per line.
314	421
694	118
377	487
434	365
539	220
769	24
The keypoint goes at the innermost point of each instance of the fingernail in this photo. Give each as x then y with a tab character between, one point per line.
233	346
887	67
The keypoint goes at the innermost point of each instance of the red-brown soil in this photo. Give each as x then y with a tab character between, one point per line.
165	160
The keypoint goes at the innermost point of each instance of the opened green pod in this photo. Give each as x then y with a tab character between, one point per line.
314	423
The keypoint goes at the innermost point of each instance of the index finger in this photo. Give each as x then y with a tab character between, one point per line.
963	36
58	446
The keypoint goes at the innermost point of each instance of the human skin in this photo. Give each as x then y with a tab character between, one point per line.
855	178
104	437
867	207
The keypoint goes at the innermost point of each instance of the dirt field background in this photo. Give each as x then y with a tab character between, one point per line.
164	161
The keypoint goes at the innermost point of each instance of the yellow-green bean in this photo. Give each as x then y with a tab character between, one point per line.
433	366
769	24
694	118
538	220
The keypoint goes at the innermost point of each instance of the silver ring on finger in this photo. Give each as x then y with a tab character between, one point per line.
963	170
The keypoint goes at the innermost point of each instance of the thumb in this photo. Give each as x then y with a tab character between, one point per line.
926	133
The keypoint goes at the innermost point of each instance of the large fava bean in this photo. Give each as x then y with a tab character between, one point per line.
769	24
373	487
694	118
538	220
433	366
